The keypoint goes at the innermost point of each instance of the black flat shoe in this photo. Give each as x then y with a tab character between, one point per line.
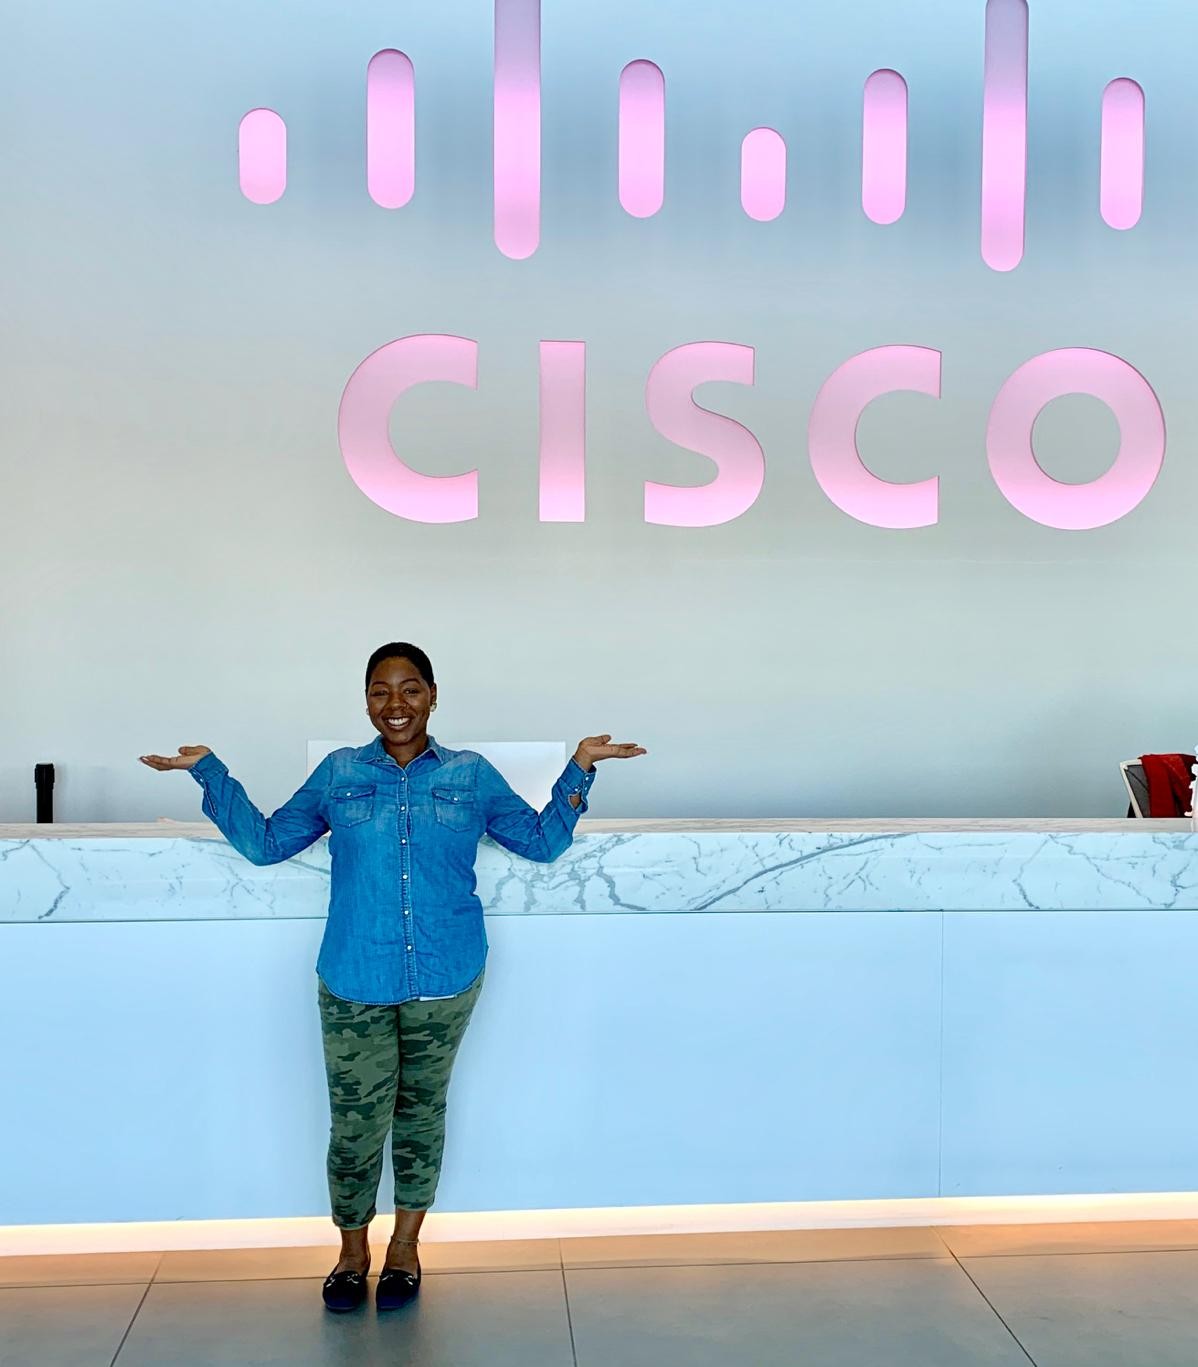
396	1287
344	1290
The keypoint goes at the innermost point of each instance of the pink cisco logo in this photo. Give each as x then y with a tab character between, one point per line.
389	372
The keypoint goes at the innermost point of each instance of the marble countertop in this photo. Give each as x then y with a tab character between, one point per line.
168	870
204	830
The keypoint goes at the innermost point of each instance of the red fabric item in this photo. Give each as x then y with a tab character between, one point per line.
1170	784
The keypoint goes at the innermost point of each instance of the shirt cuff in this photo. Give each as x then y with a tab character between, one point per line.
207	767
578	779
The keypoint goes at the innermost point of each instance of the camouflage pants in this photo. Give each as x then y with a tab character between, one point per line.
388	1068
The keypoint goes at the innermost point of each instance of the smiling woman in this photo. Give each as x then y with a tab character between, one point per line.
400	695
403	956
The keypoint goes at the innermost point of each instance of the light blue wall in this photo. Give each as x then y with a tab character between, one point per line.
1069	1058
171	1070
184	558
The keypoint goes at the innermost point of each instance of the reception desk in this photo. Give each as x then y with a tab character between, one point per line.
676	1013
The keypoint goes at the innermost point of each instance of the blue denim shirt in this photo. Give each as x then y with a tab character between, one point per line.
404	918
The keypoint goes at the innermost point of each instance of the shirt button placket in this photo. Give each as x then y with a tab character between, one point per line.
405	882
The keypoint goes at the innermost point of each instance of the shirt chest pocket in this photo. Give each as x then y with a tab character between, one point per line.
351	804
454	808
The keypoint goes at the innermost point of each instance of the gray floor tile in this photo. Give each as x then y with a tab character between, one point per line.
1101	1236
60	1326
921	1313
254	1264
485	1319
79	1269
758	1246
1098	1309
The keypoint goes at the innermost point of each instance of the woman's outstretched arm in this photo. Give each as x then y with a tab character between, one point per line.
261	839
542	836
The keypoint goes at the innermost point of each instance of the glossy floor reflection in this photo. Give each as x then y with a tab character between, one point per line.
996	1296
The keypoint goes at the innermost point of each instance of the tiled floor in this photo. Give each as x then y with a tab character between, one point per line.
1102	1295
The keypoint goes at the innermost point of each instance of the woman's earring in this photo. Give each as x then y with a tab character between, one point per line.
433	708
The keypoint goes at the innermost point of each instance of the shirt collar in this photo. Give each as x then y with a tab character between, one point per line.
375	754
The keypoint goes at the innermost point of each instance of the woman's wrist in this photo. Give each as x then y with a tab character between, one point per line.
583	761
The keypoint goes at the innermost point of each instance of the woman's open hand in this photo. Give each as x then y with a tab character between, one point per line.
188	755
591	749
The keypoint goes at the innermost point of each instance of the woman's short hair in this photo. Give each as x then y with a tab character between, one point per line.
403	650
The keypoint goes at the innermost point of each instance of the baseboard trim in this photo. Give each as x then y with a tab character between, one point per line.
149	1236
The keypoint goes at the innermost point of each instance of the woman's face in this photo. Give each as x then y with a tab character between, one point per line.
398	700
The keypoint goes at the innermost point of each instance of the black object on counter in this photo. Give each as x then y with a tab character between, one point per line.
43	782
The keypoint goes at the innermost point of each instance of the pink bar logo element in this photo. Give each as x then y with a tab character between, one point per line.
1004	133
390	129
884	147
763	174
262	156
1121	177
641	140
517	108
